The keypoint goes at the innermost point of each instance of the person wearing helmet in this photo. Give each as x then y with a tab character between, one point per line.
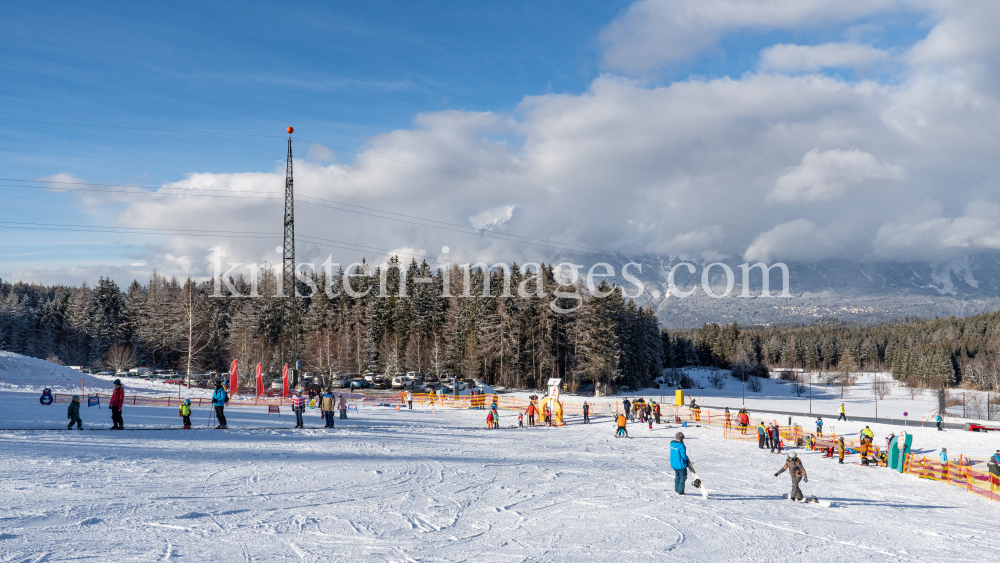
798	473
116	402
621	431
761	435
679	462
185	412
73	413
219	400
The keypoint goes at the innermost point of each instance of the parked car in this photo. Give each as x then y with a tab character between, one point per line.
359	383
278	384
340	382
380	383
400	381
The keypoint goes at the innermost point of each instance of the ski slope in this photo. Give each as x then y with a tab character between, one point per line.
437	486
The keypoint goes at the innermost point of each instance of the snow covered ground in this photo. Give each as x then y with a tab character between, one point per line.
437	486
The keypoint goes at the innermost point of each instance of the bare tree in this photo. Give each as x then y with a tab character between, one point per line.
754	384
881	387
120	357
797	386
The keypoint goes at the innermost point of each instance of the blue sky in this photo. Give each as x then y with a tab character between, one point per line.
497	84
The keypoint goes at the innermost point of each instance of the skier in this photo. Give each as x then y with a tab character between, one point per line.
867	434
841	448
939	420
219	400
621	427
586	413
185	413
298	407
328	404
695	410
656	412
489	419
649	415
73	413
409	400
797	471
520	420
994	466
843	413
727	417
772	437
761	435
744	421
626	406
863	450
531	413
116	402
496	416
944	464
679	462
819	426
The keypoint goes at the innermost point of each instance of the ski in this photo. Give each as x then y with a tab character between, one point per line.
810	500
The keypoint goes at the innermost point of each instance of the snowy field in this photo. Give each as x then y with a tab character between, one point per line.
423	486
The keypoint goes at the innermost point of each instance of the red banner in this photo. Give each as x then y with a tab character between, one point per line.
234	378
284	376
260	380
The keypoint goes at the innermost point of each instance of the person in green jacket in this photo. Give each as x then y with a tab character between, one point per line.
185	412
73	413
761	435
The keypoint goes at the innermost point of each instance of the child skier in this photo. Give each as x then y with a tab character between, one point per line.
841	448
819	426
489	419
586	413
621	427
73	413
797	471
298	407
520	420
185	412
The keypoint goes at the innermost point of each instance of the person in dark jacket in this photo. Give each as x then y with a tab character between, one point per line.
219	400
679	462
994	465
586	413
116	402
798	473
761	435
627	407
73	413
656	412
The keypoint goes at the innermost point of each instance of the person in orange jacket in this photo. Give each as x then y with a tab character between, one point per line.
621	426
531	414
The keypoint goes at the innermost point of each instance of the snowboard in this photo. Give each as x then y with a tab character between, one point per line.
697	481
810	500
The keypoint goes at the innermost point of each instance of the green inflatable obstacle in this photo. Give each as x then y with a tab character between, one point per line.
897	454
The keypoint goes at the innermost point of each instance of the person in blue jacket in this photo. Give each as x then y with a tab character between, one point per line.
994	464
219	400
939	420
679	462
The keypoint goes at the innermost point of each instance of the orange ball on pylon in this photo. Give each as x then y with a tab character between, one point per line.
290	130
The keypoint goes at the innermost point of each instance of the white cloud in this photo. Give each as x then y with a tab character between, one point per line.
799	58
978	228
492	219
653	32
690	168
828	175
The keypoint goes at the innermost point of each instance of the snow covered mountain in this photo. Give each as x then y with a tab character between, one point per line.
835	288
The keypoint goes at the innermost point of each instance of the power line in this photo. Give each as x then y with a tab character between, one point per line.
94	125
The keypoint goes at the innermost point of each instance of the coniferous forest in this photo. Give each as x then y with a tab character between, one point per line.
517	335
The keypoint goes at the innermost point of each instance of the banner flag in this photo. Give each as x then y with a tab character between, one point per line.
234	378
284	376
260	380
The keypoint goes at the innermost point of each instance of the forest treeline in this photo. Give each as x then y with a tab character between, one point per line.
512	334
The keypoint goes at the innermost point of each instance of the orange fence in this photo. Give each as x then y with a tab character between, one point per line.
959	473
